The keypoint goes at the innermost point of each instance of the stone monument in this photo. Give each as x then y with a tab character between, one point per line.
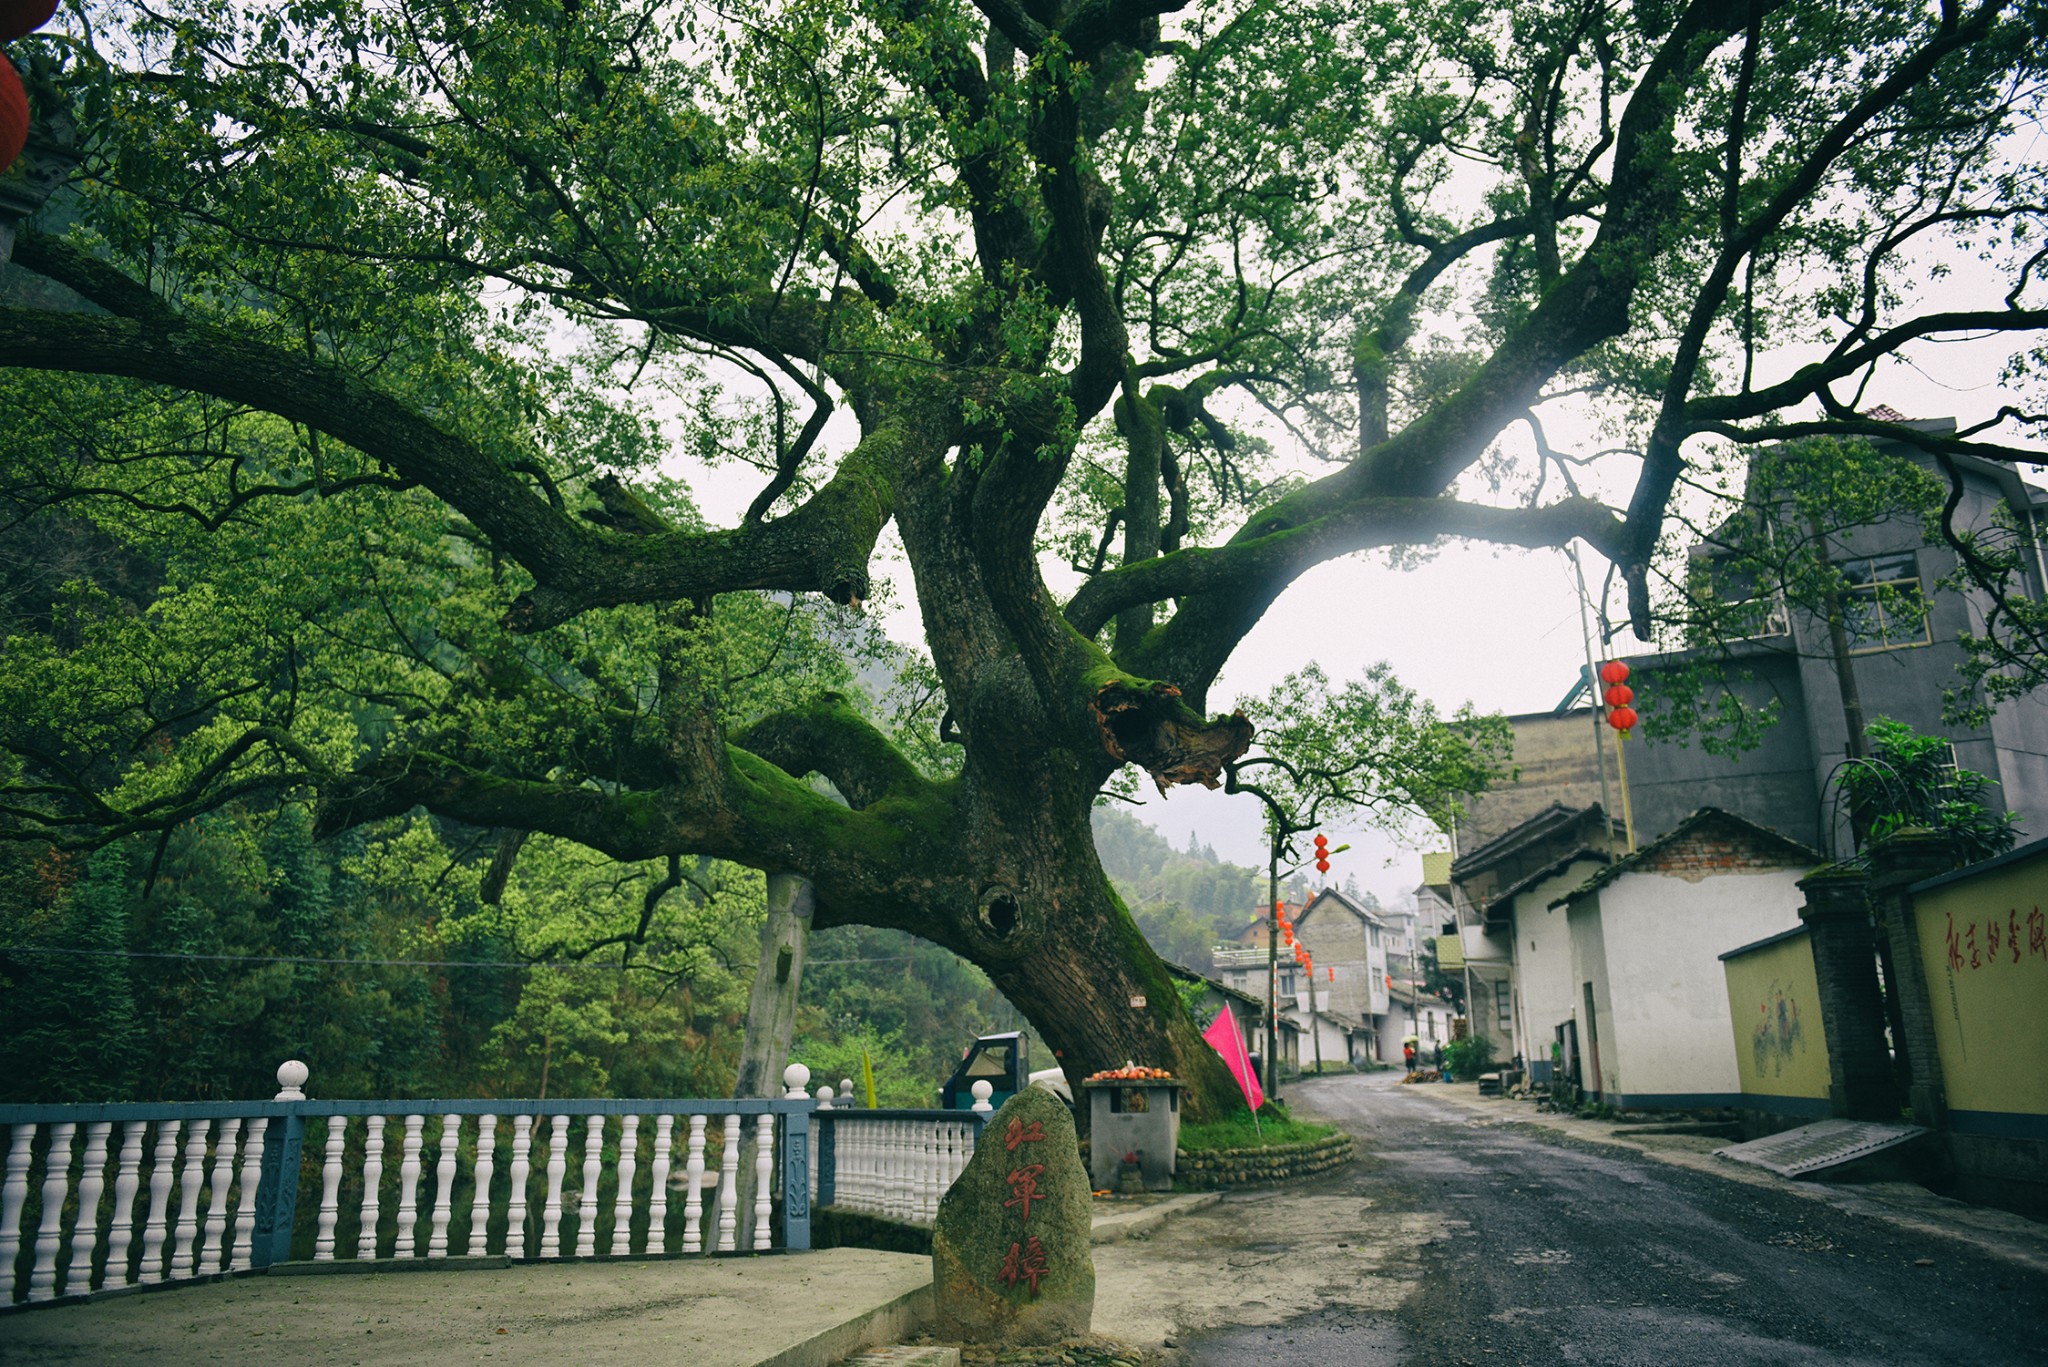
1010	1254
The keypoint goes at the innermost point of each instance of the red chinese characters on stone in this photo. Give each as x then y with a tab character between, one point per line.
1955	952
1025	1262
2037	933
1024	1189
1991	937
1020	1133
2012	933
1970	940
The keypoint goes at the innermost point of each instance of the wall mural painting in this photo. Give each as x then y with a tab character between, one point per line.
1778	1036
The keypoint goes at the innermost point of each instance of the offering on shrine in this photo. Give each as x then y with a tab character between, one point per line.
1130	1072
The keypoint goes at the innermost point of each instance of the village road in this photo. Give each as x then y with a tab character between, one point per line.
1535	1248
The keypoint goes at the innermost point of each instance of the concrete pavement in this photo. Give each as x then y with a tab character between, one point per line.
803	1310
806	1310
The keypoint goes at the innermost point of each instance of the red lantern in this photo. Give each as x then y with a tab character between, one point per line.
1614	672
1622	719
13	115
1333	975
19	17
1619	695
1322	854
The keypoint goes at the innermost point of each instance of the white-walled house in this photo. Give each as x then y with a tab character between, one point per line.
1410	1012
1646	935
1505	889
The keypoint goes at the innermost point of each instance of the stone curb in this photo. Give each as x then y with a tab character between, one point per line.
1230	1168
1995	1233
886	1324
1121	1225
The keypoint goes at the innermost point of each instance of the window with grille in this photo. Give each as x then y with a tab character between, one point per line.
1883	608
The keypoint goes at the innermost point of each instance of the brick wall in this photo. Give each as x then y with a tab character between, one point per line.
1712	848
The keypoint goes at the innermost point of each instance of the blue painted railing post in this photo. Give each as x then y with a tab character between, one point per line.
796	1181
277	1195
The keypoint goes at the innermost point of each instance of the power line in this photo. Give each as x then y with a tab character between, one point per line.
69	951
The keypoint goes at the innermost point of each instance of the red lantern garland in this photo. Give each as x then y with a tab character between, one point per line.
1322	854
1618	695
17	17
21	17
13	115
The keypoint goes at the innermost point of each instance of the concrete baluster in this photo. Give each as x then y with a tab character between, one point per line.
927	1170
812	1127
899	1169
408	1243
191	1177
586	1205
657	1197
42	1277
551	1209
480	1208
12	1198
444	1186
693	1203
85	1232
215	1246
330	1189
373	1179
628	1168
163	1167
522	1171
121	1221
873	1182
245	1198
728	1187
855	1166
764	1169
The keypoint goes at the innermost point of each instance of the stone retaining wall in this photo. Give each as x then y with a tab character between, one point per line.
1212	1169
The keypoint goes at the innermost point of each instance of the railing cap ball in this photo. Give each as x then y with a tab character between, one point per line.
983	1090
825	1098
796	1078
291	1080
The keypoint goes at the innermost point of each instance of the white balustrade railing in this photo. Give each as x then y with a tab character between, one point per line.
895	1164
103	1197
200	1190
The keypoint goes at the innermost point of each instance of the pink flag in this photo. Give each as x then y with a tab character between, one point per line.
1224	1038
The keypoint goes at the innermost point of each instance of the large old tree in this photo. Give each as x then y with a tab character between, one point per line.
390	326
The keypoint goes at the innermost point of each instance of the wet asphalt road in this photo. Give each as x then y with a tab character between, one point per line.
1556	1251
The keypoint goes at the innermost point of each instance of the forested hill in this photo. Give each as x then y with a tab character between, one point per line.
1186	901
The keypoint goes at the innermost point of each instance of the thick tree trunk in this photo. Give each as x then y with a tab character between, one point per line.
1100	998
771	1008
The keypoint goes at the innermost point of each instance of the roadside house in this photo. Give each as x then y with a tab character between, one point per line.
1646	935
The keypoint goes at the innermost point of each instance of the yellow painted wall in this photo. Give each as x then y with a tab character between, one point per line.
1984	942
1774	1002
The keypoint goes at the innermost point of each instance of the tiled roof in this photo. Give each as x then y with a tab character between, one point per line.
1797	852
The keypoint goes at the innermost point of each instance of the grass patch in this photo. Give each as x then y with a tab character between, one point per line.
1275	1127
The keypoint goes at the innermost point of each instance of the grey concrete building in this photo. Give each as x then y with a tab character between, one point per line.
1903	626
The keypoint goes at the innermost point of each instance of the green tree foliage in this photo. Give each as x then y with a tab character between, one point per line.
385	333
1184	901
911	1004
1910	782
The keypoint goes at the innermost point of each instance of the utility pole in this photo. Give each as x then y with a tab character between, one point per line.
1273	953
